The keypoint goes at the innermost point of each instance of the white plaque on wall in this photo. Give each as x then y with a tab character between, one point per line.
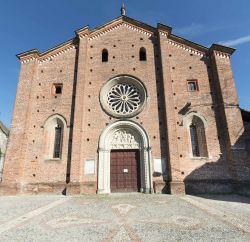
160	165
89	167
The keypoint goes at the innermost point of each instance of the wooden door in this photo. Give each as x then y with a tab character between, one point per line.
125	171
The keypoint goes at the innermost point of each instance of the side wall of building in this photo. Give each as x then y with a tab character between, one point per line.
14	158
40	167
180	65
27	167
3	146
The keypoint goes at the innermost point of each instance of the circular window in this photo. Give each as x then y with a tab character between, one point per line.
123	96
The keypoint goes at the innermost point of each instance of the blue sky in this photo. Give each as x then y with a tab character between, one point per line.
29	24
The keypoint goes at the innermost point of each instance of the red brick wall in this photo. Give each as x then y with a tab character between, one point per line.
82	73
127	44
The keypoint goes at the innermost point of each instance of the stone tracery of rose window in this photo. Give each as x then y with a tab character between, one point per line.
124	98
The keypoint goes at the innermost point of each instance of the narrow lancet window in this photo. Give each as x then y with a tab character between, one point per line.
194	140
53	137
198	138
105	55
143	55
58	141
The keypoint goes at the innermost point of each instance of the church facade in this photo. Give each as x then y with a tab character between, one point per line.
127	107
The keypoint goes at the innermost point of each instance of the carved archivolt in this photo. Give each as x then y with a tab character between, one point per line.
123	139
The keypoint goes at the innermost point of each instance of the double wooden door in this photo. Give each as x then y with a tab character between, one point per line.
125	171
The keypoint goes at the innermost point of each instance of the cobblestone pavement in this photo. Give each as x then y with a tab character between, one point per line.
125	217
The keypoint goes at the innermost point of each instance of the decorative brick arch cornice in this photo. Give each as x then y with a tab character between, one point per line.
133	25
35	55
119	25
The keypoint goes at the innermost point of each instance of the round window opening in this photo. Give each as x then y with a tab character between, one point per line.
123	96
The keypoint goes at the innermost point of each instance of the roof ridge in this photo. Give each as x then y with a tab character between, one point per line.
138	24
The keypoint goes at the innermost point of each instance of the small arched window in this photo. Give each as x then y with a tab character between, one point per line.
143	54
198	138
105	55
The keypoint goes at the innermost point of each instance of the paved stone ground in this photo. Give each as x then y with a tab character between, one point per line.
125	217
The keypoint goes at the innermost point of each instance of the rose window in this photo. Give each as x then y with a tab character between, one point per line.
124	98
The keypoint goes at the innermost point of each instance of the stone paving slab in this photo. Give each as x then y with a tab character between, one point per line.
14	206
127	217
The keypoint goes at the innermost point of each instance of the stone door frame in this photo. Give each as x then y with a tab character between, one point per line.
124	135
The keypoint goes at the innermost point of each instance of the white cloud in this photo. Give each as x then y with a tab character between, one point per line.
241	40
192	29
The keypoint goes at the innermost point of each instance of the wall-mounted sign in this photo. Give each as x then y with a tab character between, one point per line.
160	165
89	167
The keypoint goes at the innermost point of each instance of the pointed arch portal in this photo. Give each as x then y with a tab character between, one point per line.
125	137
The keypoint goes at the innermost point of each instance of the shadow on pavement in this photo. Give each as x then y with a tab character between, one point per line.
226	198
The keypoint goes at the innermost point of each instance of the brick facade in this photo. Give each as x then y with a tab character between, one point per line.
171	61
